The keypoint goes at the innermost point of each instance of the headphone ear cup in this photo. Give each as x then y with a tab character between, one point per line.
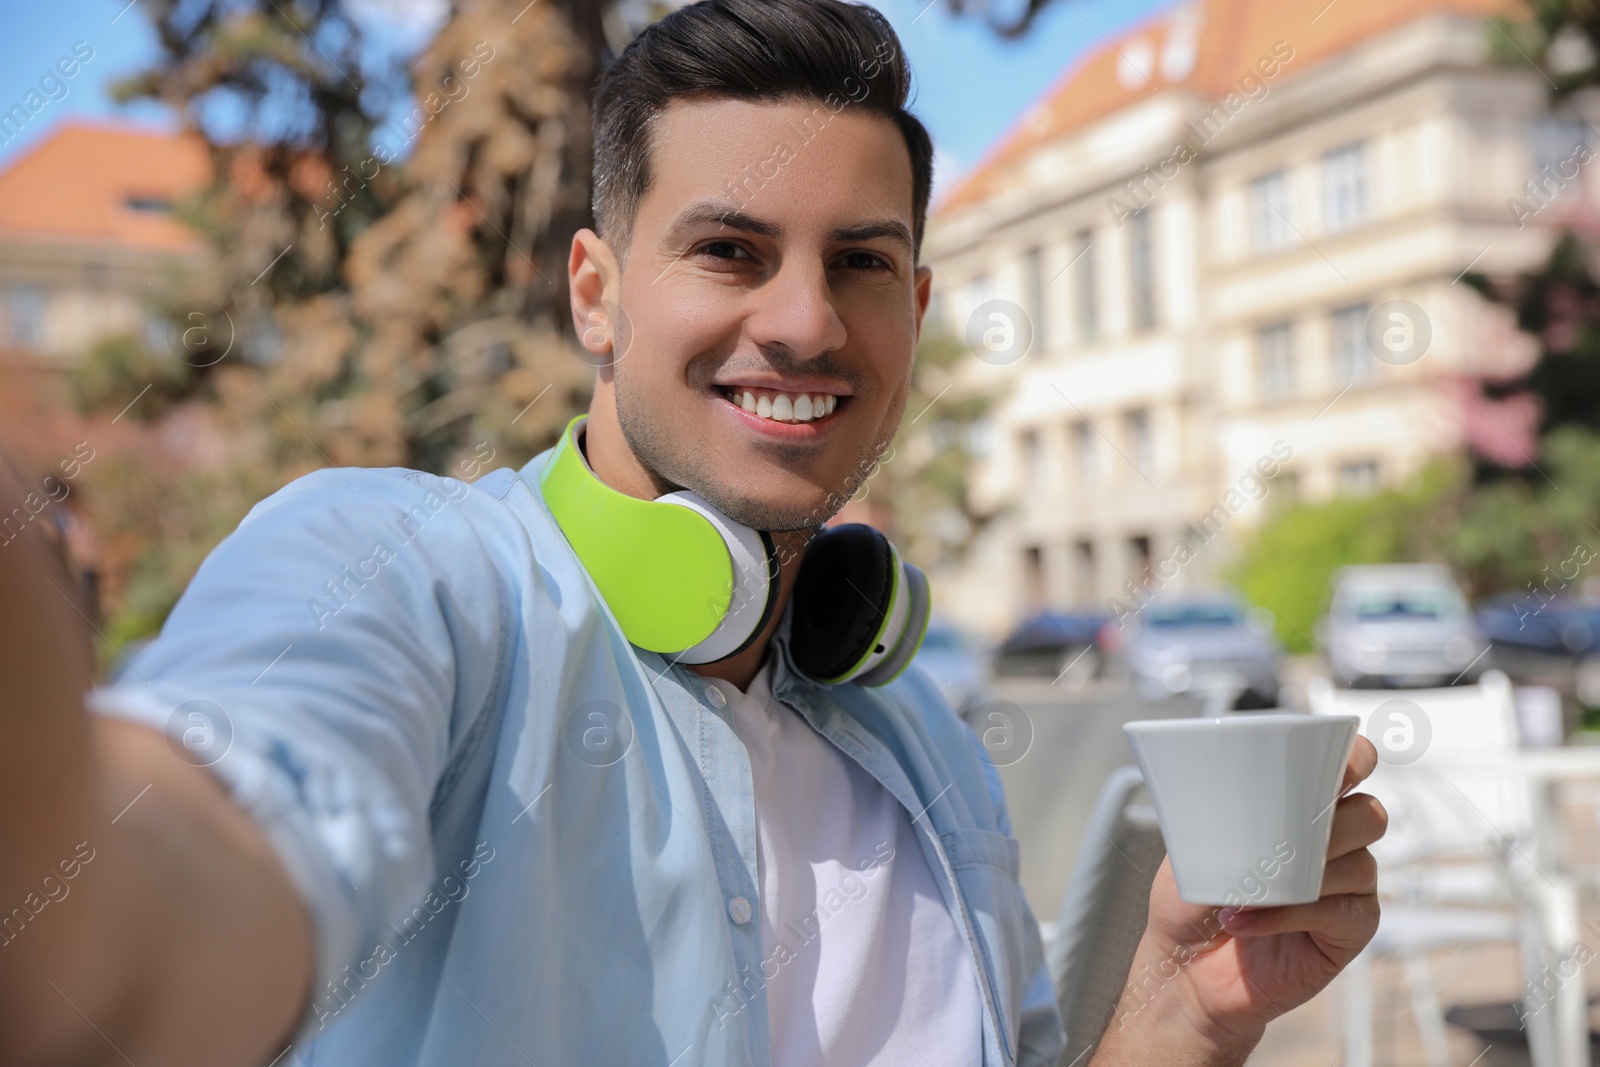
909	637
841	597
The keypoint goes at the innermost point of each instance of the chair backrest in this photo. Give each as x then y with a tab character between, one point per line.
1463	791
1104	910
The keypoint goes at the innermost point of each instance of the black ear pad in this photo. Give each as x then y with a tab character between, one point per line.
840	598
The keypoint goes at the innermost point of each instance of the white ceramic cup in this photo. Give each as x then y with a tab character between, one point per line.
1245	801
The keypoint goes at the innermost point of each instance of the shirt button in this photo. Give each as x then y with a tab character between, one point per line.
719	699
739	910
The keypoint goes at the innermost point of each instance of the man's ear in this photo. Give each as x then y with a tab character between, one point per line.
594	282
922	289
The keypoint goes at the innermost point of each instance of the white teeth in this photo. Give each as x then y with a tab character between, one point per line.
785	407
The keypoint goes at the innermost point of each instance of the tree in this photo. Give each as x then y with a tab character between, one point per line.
387	281
924	477
390	249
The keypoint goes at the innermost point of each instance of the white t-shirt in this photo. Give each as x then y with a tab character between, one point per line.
870	967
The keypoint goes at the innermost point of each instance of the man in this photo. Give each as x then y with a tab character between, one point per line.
393	786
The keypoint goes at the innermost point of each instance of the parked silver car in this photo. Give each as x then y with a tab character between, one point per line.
1400	626
1203	644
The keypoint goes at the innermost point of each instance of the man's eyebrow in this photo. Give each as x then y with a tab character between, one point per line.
734	219
866	231
727	215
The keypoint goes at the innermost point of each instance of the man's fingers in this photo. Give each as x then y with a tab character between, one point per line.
1363	761
1354	872
1343	922
1358	821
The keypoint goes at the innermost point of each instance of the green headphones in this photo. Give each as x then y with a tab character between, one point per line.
688	582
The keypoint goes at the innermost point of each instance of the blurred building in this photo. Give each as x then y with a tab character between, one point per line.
1204	226
88	241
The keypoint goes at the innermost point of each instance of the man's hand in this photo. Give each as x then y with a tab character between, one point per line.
1206	981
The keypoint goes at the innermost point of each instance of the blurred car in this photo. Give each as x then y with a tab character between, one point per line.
1052	642
1200	644
1400	626
954	665
1534	636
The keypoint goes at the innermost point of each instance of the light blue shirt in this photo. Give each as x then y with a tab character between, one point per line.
521	839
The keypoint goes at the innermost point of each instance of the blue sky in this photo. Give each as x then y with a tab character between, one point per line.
971	84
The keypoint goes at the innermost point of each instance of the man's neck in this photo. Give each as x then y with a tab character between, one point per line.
740	669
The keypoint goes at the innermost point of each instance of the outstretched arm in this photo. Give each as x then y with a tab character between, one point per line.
142	915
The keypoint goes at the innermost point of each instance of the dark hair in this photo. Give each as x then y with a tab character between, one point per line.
759	50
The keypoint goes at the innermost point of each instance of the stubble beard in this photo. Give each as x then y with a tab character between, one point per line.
672	468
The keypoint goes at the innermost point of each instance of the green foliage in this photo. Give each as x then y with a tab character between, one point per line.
120	367
1513	531
1556	37
1497	537
1287	563
926	474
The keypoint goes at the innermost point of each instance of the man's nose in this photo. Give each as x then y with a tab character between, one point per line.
796	310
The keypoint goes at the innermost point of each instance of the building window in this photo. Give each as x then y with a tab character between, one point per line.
1139	559
1344	186
148	204
1033	575
1032	460
1083	575
1358	478
1083	452
1558	146
1033	279
1275	359
1351	360
1269	211
1085	296
1141	271
1140	450
25	306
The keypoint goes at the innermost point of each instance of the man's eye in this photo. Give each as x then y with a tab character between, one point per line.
724	250
866	261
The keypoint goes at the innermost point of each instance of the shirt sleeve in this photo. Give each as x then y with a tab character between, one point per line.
319	664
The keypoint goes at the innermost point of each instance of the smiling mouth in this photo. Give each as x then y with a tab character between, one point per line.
777	406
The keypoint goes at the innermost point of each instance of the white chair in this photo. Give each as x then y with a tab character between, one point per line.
1103	911
1459	863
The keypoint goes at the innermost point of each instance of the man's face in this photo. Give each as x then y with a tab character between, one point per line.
774	306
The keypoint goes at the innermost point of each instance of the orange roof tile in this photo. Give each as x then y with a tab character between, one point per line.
1204	47
95	181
